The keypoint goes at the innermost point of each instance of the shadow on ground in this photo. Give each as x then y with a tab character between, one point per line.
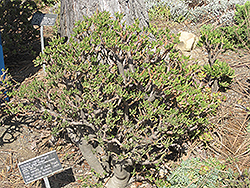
61	179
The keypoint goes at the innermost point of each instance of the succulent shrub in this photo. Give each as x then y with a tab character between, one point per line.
214	41
242	12
238	34
160	12
127	87
17	32
220	71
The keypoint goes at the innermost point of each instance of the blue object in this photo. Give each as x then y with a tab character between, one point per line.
2	66
1	56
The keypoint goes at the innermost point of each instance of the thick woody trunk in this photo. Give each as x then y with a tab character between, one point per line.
73	10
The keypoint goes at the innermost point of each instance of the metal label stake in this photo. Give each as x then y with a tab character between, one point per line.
46	181
42	44
41	20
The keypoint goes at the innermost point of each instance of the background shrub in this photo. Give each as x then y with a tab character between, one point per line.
6	92
238	34
221	11
197	172
17	32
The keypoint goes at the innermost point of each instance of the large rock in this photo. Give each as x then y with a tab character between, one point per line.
188	41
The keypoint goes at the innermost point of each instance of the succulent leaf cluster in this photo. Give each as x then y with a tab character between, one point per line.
220	71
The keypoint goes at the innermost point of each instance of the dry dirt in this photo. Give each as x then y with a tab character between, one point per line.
24	137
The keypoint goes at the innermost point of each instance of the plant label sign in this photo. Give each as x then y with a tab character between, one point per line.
43	19
40	167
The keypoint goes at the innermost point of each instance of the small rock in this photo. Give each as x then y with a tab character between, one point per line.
7	168
188	41
162	173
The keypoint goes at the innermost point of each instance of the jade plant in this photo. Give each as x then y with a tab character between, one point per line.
215	42
238	34
123	94
220	71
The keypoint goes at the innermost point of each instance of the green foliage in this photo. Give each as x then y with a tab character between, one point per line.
242	25
210	172
17	32
214	40
229	37
43	3
5	84
220	71
196	172
116	81
242	13
213	36
160	12
240	180
6	87
238	34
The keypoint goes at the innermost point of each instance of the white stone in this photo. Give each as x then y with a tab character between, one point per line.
188	41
